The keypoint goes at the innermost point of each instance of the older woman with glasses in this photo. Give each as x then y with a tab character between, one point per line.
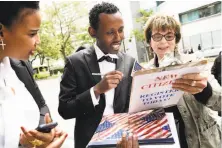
199	124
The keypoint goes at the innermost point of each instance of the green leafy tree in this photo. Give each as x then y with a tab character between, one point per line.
139	33
83	38
49	44
63	19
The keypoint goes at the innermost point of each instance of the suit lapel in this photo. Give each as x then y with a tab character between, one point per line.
28	65
29	69
91	60
120	66
23	71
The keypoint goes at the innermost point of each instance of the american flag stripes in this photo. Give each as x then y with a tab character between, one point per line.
147	125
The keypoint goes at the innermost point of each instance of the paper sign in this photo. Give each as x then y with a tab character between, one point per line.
153	88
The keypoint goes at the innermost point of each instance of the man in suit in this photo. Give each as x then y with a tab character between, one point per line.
24	72
96	80
80	48
216	68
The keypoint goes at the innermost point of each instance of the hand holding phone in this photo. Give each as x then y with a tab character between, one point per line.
46	128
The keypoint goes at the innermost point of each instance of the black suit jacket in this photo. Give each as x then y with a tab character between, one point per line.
216	68
75	99
24	72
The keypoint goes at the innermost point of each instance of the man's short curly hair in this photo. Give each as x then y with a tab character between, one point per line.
94	13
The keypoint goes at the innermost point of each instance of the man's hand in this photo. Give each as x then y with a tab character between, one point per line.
109	81
131	142
192	83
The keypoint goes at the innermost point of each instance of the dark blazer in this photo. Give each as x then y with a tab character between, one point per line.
24	72
75	99
216	68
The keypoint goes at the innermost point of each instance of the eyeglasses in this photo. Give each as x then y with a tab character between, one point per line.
158	37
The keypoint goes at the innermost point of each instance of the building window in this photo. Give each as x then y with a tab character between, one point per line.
159	2
211	39
202	12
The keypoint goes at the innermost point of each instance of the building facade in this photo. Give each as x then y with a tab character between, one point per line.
201	22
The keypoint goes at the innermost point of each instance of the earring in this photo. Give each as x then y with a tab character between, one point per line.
1	40
2	44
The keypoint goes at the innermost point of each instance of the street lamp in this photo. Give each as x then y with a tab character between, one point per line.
48	66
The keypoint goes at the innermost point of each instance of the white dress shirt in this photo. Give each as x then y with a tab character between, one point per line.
17	107
105	67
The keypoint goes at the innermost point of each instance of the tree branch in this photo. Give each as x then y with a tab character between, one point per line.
34	58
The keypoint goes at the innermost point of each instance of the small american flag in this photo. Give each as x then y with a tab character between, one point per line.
136	67
150	126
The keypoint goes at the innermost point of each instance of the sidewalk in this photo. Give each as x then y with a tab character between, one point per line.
50	91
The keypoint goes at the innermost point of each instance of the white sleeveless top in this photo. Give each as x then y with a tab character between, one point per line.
17	107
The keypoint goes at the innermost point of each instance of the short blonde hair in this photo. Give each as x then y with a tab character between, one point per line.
161	22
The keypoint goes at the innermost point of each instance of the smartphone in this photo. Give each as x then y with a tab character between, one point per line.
46	128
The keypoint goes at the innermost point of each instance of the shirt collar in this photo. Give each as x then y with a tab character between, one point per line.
100	54
5	66
5	61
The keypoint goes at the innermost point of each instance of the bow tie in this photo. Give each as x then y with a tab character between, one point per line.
108	59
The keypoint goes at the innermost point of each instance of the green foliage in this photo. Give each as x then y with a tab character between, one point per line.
41	73
49	43
144	16
57	70
84	37
138	33
59	29
139	36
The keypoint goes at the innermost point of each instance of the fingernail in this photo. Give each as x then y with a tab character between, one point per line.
23	128
130	135
134	136
124	134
